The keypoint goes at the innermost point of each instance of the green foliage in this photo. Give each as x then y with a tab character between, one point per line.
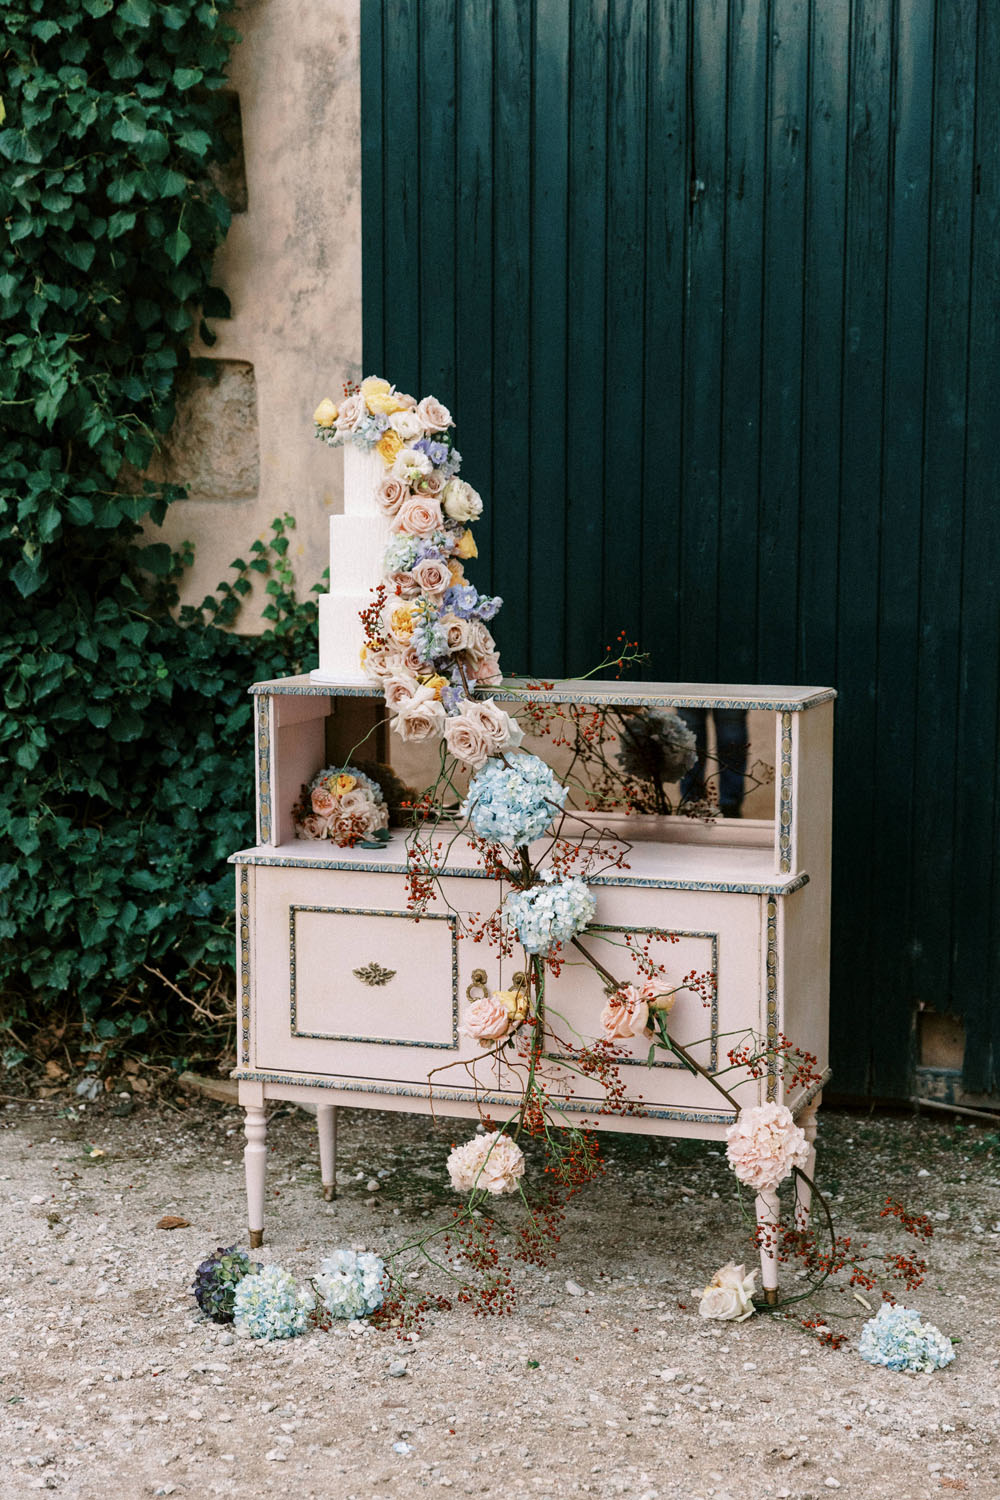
126	731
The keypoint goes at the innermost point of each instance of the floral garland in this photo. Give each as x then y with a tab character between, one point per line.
428	641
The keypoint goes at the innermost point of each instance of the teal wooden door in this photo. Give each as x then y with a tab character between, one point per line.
714	290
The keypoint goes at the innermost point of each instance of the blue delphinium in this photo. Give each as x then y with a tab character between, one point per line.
487	606
896	1338
430	638
462	600
271	1305
551	913
513	802
436	452
352	1285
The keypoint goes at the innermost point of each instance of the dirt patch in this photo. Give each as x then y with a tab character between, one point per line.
112	1386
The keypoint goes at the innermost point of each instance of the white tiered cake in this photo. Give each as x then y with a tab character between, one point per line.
358	540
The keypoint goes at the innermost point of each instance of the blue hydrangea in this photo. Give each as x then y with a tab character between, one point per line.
551	913
401	553
352	1285
513	802
896	1338
271	1305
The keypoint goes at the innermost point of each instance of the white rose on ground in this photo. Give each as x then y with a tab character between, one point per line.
728	1295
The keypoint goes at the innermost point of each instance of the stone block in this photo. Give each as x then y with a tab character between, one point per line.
213	446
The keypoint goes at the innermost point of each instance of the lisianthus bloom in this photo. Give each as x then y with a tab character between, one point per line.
325	414
764	1145
728	1295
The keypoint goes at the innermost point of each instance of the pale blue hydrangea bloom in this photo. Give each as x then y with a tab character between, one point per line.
896	1338
513	802
548	914
271	1305
352	1285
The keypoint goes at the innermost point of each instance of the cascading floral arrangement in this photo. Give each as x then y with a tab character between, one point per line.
428	641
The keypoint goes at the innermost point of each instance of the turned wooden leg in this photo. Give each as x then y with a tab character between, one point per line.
326	1125
803	1192
767	1224
255	1162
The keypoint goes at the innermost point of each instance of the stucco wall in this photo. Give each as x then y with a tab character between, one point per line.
291	266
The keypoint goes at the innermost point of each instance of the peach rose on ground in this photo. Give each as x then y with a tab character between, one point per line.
390	495
764	1145
728	1295
323	801
419	516
434	416
490	1163
625	1014
421	718
432	575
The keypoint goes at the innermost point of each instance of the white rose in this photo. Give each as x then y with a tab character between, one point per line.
478	641
728	1295
399	691
410	462
407	424
460	501
434	416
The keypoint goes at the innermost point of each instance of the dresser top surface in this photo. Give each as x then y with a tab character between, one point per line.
580	690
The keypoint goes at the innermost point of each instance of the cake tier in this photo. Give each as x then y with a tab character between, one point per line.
357	550
364	471
341	637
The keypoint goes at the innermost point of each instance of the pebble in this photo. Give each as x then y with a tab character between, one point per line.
575	1289
831	1483
398	1368
276	1455
226	1339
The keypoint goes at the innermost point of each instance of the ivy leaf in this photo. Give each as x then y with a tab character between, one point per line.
186	78
80	253
177	245
136	12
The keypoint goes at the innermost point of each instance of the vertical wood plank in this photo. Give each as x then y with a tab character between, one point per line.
781	376
472	266
435	190
746	158
941	516
511	311
703	336
976	888
666	212
373	161
857	616
586	269
548	408
401	197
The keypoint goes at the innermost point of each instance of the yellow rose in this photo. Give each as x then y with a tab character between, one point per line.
437	683
344	783
389	445
515	1002
401	622
466	546
325	414
457	573
374	385
385	404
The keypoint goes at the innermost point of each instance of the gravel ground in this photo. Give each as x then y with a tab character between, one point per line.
112	1386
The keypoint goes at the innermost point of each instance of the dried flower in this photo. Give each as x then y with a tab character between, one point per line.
216	1280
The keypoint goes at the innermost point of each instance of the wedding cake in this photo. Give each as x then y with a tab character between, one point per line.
358	542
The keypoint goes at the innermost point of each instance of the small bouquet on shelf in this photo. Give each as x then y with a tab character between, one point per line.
343	805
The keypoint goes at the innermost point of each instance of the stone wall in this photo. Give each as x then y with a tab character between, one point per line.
291	266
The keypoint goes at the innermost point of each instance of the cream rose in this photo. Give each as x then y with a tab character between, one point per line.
407	424
456	631
658	994
502	732
728	1295
487	671
374	661
466	739
313	826
349	413
419	516
390	495
487	1020
404	585
432	575
407	663
625	1014
421	718
323	801
478	641
429	484
460	501
434	416
398	691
